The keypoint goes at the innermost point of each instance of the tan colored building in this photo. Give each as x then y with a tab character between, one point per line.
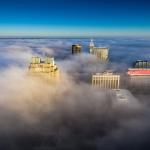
106	80
45	69
100	52
76	49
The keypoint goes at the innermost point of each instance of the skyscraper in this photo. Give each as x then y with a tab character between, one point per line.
100	52
106	80
139	76
76	49
141	64
91	46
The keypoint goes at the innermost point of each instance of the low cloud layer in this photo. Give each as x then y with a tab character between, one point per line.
70	115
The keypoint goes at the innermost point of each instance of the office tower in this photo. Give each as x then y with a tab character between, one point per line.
76	49
91	46
100	52
106	80
45	69
139	76
141	64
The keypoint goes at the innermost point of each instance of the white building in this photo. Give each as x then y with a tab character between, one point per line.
106	80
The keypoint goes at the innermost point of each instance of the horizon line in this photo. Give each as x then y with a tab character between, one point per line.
80	36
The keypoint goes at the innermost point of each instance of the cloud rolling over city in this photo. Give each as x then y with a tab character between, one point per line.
71	114
74	75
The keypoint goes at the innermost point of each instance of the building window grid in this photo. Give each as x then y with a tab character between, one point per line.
106	82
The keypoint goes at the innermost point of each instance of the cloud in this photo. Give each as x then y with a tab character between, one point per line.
33	109
68	115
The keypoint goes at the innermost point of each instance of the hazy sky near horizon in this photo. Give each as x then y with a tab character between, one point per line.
74	17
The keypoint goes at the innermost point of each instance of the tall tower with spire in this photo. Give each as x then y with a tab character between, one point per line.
100	52
91	46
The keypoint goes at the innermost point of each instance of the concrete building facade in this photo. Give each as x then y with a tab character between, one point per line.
100	52
45	69
106	80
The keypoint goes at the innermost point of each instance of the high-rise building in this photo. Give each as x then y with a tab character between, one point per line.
139	76
100	52
91	46
76	49
45	69
106	80
141	64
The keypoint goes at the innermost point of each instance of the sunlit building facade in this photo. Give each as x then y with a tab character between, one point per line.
76	49
106	80
45	69
100	52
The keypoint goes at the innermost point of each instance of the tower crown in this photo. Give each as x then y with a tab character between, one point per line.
91	43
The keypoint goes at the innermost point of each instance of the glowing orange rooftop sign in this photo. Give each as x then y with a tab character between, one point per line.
138	72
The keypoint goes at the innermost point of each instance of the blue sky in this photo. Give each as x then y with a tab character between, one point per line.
74	17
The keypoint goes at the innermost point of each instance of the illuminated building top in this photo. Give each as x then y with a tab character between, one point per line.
106	80
77	48
46	68
91	43
100	52
138	72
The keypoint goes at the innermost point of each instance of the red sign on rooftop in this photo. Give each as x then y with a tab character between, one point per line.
138	72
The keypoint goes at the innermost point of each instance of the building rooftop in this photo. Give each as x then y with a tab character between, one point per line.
42	66
138	71
101	47
109	72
